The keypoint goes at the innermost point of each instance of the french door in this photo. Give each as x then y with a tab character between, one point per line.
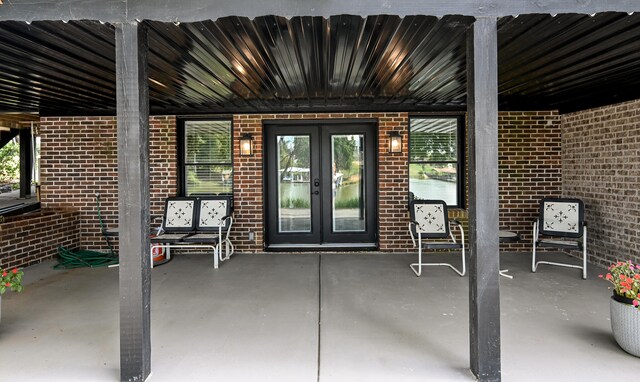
320	185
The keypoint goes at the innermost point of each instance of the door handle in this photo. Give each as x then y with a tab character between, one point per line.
316	182
316	192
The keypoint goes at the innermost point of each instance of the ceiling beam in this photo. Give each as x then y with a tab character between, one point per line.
10	121
198	10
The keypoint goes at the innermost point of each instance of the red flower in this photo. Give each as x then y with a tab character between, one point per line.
15	270
608	277
600	276
636	303
7	284
4	274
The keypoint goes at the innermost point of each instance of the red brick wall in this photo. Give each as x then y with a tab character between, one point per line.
248	185
35	237
601	166
529	168
79	159
393	184
393	177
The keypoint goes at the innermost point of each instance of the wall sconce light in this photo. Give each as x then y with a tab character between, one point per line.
395	142
246	145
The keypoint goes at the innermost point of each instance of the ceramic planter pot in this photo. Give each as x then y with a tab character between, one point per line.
625	324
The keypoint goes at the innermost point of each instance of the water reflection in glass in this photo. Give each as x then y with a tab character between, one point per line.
348	199
294	191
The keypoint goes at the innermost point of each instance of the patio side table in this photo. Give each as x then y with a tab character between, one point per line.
507	237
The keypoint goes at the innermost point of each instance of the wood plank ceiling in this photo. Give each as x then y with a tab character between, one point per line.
343	63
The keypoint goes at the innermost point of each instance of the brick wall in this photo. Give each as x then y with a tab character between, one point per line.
248	185
79	159
393	184
601	166
529	168
393	178
32	238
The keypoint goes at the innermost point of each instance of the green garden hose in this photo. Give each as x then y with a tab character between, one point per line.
81	258
69	259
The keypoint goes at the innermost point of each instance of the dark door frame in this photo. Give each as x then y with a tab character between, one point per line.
324	238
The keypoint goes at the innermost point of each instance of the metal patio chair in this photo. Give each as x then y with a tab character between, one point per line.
430	225
560	225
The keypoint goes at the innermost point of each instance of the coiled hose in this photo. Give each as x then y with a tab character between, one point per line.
69	259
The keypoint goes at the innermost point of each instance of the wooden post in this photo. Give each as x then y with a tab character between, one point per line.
133	200
484	287
26	162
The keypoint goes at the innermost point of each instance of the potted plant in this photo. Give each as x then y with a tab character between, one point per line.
625	305
10	280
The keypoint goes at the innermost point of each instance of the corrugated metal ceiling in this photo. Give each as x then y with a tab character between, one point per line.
272	64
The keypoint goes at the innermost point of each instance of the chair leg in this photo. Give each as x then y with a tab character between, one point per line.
216	254
228	250
154	246
534	266
417	267
419	263
584	254
464	263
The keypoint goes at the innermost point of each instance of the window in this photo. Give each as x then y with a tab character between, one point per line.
436	157
205	154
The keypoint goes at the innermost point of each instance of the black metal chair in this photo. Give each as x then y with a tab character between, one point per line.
430	226
560	225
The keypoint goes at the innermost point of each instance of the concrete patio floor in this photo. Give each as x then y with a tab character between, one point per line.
310	317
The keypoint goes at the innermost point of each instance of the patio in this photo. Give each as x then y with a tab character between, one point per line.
257	318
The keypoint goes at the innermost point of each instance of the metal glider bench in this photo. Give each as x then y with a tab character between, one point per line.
196	222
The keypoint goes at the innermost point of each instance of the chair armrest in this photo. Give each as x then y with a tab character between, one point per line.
411	232
460	227
228	228
159	221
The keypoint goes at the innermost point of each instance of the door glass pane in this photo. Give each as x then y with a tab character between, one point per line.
294	186
348	197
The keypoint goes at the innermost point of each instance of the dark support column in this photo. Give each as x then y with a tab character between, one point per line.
133	200
26	162
484	288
